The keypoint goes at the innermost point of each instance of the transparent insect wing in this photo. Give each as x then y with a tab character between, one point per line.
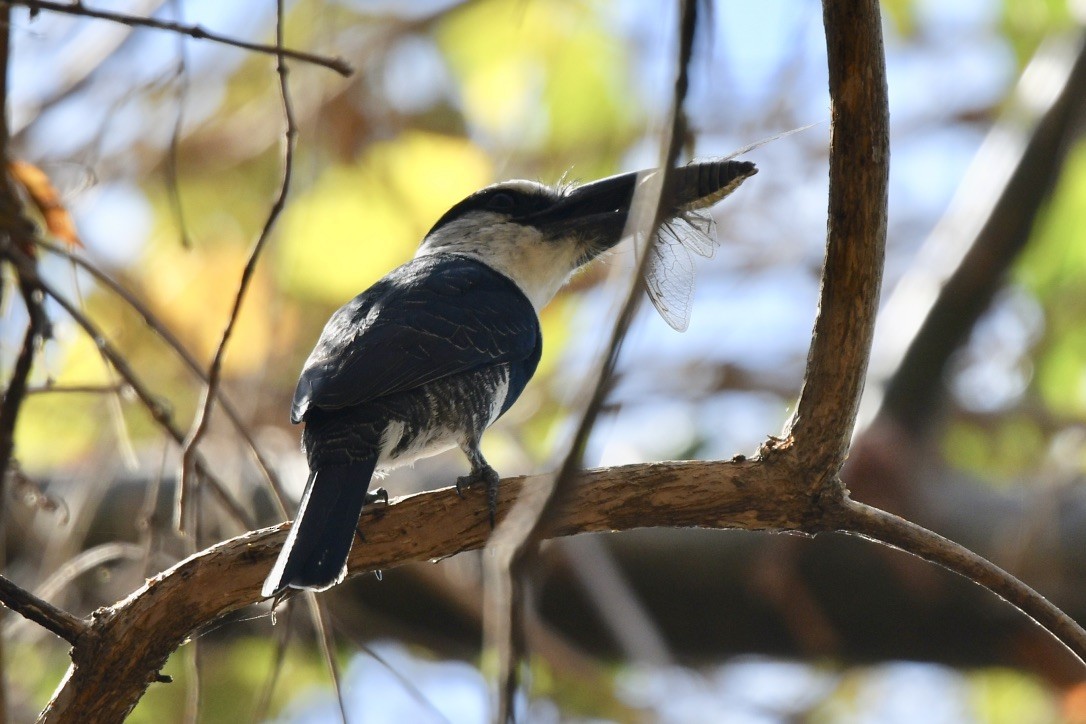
669	281
695	231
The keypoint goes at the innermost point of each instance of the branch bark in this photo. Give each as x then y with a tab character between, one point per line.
128	643
856	237
43	613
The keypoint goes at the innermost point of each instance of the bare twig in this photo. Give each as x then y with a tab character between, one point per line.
196	32
154	406
173	153
326	642
203	416
282	641
874	524
77	566
77	389
162	330
41	612
17	386
412	689
192	657
515	542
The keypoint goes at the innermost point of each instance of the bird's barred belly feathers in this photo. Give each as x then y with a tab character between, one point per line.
407	426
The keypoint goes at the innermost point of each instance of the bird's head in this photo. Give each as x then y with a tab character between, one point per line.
537	235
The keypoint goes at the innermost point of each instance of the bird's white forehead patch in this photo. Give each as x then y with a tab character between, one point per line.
522	185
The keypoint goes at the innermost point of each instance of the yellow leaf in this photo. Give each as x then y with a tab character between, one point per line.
359	222
45	198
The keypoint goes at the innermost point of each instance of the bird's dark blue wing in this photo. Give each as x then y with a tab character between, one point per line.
433	317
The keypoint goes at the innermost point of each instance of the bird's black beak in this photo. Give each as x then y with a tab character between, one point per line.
596	213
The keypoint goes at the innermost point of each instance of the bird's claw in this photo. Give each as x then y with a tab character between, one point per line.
486	475
380	495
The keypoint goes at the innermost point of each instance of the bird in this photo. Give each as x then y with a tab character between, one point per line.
438	349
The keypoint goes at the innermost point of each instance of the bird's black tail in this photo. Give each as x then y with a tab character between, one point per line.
315	554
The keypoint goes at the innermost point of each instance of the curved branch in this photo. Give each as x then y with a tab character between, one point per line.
856	236
869	522
127	644
131	641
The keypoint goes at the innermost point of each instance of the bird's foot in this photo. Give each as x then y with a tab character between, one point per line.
379	495
485	474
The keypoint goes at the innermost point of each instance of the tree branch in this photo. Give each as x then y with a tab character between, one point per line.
856	237
26	604
154	406
131	641
195	32
1012	203
214	373
791	485
868	522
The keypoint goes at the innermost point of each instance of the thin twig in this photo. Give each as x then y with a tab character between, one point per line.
878	525
327	645
195	32
77	389
203	416
125	449
173	153
77	566
408	685
41	612
155	407
516	540
17	386
162	330
282	641
191	713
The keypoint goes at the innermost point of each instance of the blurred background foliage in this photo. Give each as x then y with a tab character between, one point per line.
168	153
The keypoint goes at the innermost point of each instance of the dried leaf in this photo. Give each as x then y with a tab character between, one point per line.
47	200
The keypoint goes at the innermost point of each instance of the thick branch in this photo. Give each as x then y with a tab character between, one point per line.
856	236
132	640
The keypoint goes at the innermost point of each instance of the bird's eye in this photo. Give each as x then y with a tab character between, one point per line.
502	202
